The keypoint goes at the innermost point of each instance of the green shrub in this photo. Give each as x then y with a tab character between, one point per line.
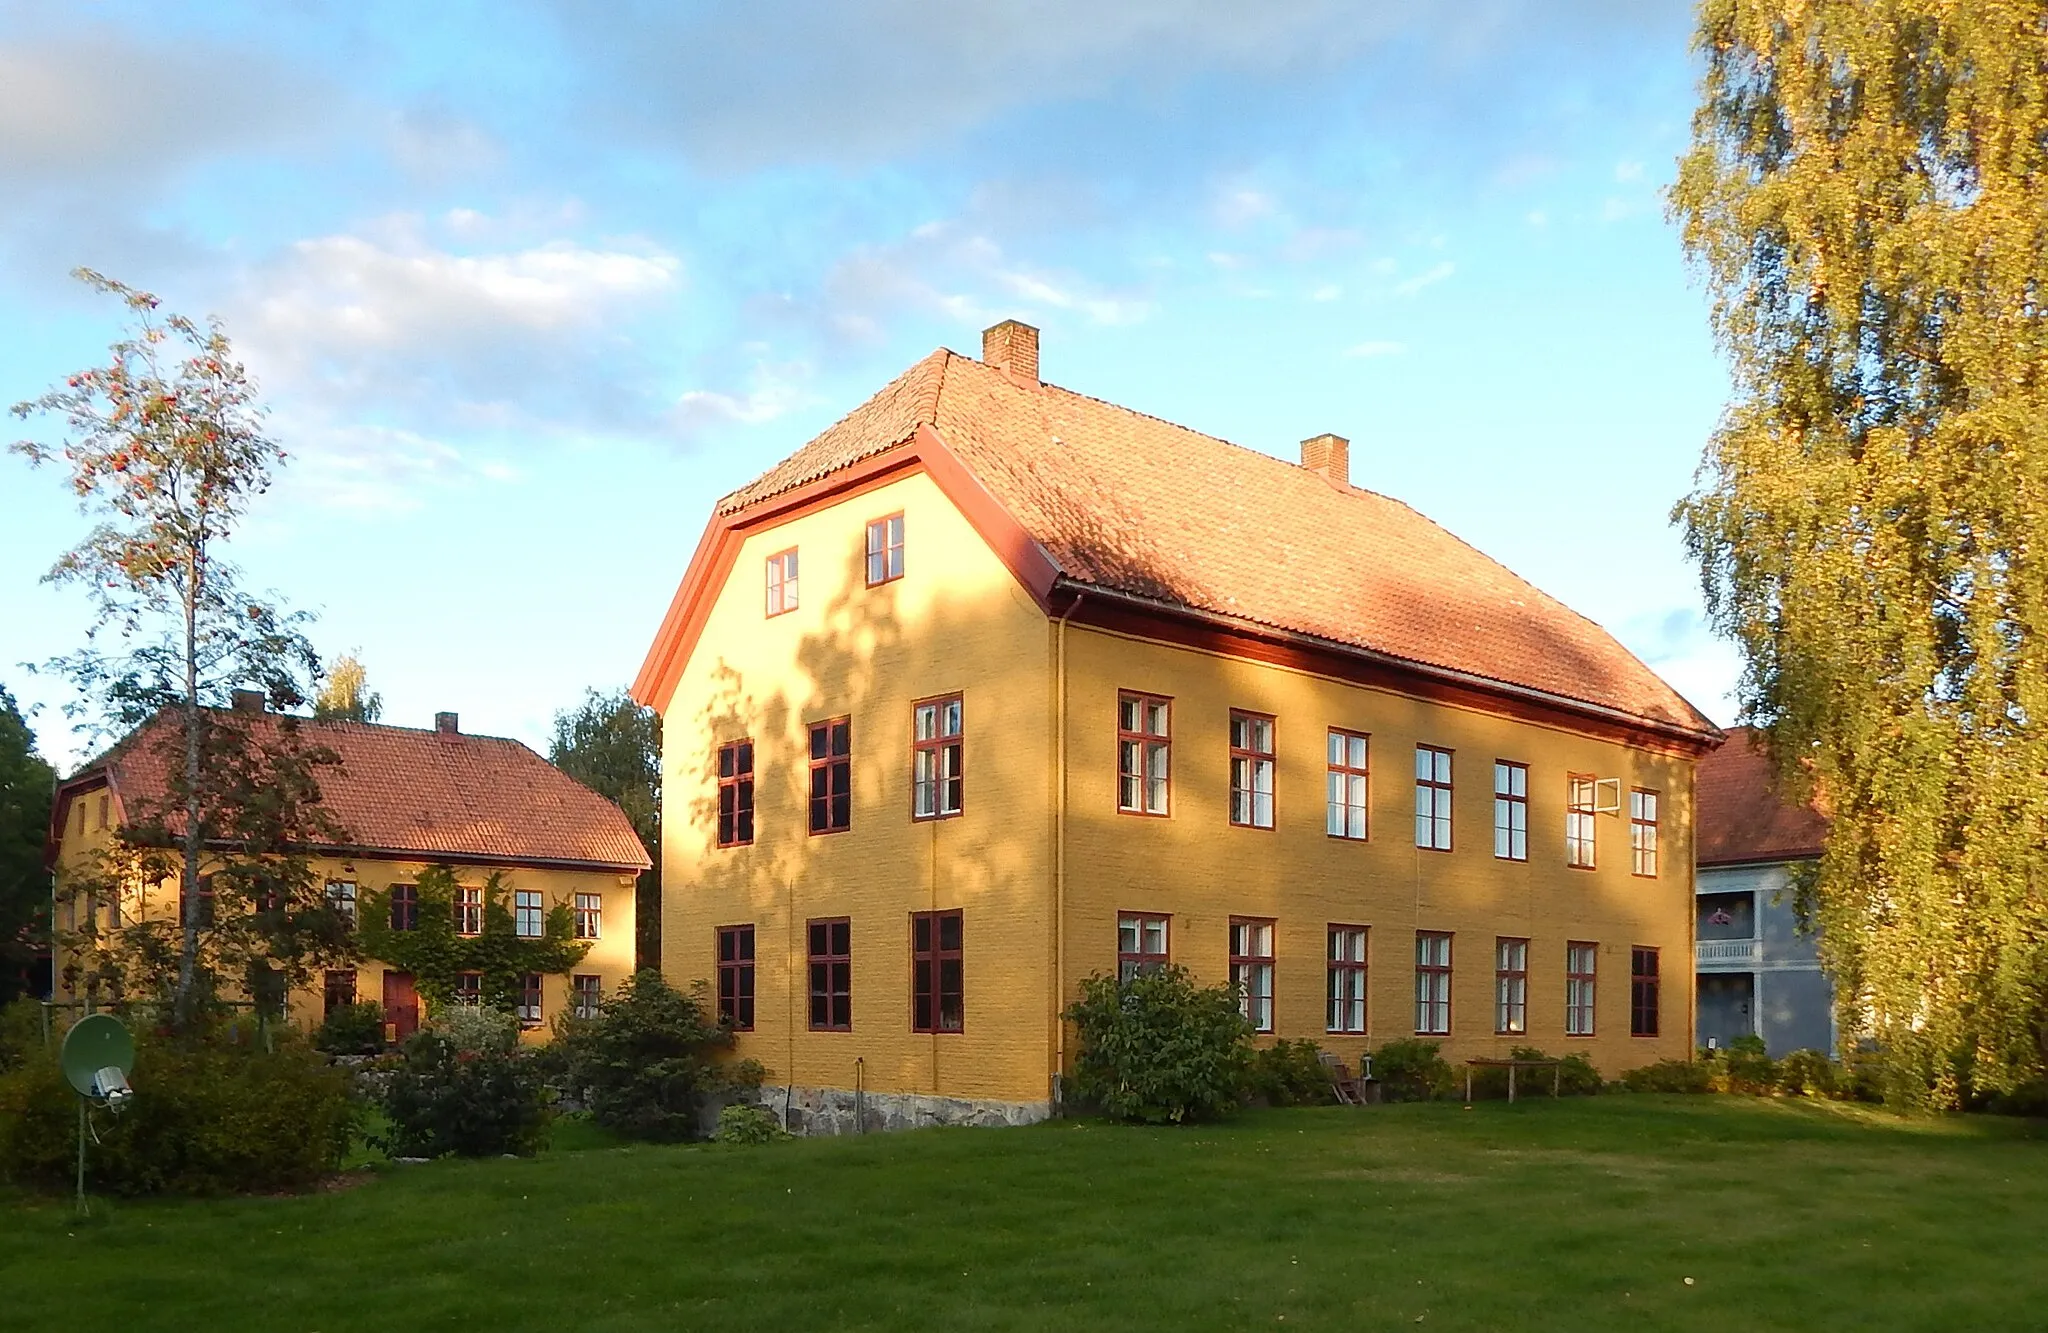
1158	1048
1670	1076
352	1029
744	1123
1412	1070
1290	1073
1743	1065
1575	1076
1808	1074
477	1028
213	1113
647	1063
444	1100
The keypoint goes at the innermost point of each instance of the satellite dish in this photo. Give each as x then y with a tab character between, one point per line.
97	1055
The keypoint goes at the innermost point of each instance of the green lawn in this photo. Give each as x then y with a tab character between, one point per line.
1579	1214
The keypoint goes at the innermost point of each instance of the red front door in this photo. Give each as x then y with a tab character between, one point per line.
401	1006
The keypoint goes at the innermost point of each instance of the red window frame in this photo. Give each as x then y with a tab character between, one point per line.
937	761
1143	743
337	990
938	992
1510	986
1344	778
1642	832
885	549
780	595
469	988
1581	821
405	907
733	953
1643	988
1132	962
468	908
1246	760
586	994
1510	834
735	793
589	915
1349	986
530	992
1426	787
831	783
1576	1000
829	940
1426	972
1245	966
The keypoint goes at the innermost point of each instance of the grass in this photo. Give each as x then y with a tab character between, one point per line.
1581	1214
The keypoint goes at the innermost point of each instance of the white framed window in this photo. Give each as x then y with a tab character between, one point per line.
469	910
1579	821
1141	944
586	993
1251	970
529	1000
1511	987
1432	798
1347	979
589	915
1144	753
1642	832
341	896
1580	962
529	919
1350	782
1432	983
937	786
1251	770
1510	810
781	580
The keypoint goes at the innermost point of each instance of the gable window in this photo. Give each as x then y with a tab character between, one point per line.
831	968
586	994
736	976
736	793
103	809
338	991
832	776
1347	979
527	917
1432	798
1251	769
1251	970
1141	944
81	815
885	550
936	999
529	1000
469	988
1432	983
1580	960
1642	992
589	915
1642	832
782	582
405	907
341	896
1510	810
1511	987
936	786
1349	785
1143	753
469	910
1578	822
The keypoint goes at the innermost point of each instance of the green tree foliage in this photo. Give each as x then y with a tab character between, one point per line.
1867	197
345	695
1158	1048
648	1063
446	1098
26	782
613	746
436	953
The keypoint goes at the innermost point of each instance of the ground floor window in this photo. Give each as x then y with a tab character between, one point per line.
339	991
1251	970
937	1002
1432	983
586	994
1347	979
1642	992
469	988
1511	987
1141	944
831	969
736	976
529	1000
1580	960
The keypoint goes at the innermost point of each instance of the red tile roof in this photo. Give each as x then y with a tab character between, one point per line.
441	796
1123	501
1740	817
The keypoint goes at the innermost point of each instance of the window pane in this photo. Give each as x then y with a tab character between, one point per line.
949	931
1127	714
1155	720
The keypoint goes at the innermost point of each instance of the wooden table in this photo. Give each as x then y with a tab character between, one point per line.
1489	1062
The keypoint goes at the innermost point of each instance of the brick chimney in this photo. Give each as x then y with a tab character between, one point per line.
1329	455
445	723
1012	348
248	701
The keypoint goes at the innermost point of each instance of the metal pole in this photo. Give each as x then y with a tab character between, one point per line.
81	1157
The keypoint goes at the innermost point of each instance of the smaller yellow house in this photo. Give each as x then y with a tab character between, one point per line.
435	821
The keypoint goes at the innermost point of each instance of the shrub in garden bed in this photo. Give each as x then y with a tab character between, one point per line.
353	1029
648	1064
463	1087
1290	1073
740	1123
1412	1070
1575	1076
1158	1048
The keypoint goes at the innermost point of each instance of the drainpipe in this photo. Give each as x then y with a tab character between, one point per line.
1059	872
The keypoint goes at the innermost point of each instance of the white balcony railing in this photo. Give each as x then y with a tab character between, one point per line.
1726	951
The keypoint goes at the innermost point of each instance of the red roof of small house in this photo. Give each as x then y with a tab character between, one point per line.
1121	501
1739	815
435	795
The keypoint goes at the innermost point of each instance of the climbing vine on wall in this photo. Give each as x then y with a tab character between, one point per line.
436	953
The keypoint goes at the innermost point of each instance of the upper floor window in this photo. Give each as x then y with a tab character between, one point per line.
1251	970
1432	798
736	793
589	915
103	809
469	910
1349	781
832	775
736	976
527	915
341	896
782	582
1143	753
1642	831
936	785
1579	820
936	989
1510	810
1251	769
405	907
885	549
1141	944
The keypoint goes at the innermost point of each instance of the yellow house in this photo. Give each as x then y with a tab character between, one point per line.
409	800
993	686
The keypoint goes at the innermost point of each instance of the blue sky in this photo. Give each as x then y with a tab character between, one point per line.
527	286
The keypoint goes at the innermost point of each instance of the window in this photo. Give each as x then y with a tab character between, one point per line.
527	916
1251	970
1347	979
782	582
1579	963
935	999
469	910
529	1000
81	816
1143	753
1348	783
586	994
736	976
1578	822
405	907
338	992
1510	810
831	975
1511	987
269	904
589	915
1642	992
1432	983
1432	798
885	549
341	896
1141	945
735	793
103	809
936	787
202	910
1251	770
1642	832
469	988
832	776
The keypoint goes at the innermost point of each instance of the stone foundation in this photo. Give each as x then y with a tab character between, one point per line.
839	1111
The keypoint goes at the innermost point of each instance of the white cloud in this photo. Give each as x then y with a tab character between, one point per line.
1240	207
776	390
1329	291
1625	172
1427	278
1375	348
1536	217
